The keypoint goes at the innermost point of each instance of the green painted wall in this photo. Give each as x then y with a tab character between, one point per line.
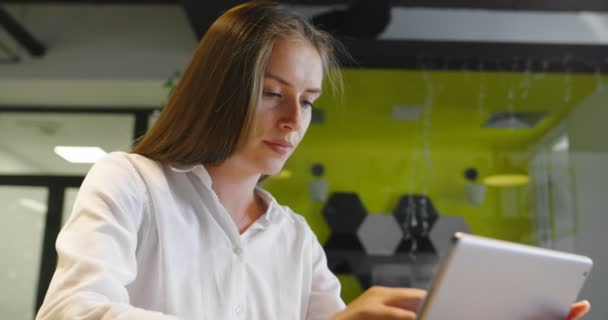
381	171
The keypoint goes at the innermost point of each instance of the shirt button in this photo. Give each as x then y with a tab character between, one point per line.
237	250
238	309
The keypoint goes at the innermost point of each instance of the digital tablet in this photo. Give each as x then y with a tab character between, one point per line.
482	278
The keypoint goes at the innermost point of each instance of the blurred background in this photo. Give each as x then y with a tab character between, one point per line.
486	117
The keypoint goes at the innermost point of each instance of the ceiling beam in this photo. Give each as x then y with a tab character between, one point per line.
475	56
21	35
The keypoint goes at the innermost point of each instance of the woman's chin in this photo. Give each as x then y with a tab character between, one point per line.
272	168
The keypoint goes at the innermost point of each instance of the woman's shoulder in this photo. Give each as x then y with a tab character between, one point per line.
295	220
123	162
120	167
127	158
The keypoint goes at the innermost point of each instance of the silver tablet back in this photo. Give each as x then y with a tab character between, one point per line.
483	278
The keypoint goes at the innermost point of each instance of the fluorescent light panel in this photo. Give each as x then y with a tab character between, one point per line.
33	205
80	154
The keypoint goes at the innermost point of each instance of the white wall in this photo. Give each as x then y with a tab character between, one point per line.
97	55
97	42
21	235
587	129
592	188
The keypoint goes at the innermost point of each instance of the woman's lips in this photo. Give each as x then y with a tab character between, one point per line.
281	148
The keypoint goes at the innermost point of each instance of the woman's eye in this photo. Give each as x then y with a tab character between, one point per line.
308	104
272	94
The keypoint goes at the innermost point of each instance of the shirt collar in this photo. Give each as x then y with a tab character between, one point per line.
198	169
274	212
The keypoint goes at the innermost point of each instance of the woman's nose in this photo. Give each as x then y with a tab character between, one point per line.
291	115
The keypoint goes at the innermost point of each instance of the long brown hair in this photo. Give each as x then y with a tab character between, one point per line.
212	108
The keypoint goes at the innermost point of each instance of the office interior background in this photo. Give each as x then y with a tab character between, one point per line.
476	116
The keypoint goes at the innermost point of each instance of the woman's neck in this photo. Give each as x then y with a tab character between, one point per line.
236	191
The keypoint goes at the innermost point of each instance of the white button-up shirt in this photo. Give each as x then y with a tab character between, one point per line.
147	241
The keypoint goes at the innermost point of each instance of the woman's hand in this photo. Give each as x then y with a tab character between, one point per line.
579	309
402	303
384	303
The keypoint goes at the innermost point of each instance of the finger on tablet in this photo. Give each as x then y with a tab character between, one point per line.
579	309
404	298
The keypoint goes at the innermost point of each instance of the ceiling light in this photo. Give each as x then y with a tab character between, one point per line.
507	180
514	120
33	205
80	154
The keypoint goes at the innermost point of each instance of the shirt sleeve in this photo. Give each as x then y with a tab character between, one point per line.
325	300
96	247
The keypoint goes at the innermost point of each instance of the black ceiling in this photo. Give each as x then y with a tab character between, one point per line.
541	5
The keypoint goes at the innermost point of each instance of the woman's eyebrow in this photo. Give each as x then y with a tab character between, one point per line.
287	83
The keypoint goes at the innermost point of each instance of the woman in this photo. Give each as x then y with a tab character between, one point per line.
178	229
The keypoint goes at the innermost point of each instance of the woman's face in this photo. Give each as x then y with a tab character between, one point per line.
292	82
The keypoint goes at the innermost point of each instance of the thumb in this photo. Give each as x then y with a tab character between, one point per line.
579	309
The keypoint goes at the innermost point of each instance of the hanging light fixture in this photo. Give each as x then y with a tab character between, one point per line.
507	180
510	175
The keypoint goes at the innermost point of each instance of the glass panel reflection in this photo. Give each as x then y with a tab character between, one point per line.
21	234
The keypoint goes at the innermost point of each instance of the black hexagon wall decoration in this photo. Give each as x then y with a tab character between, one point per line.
420	245
344	242
416	215
344	212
